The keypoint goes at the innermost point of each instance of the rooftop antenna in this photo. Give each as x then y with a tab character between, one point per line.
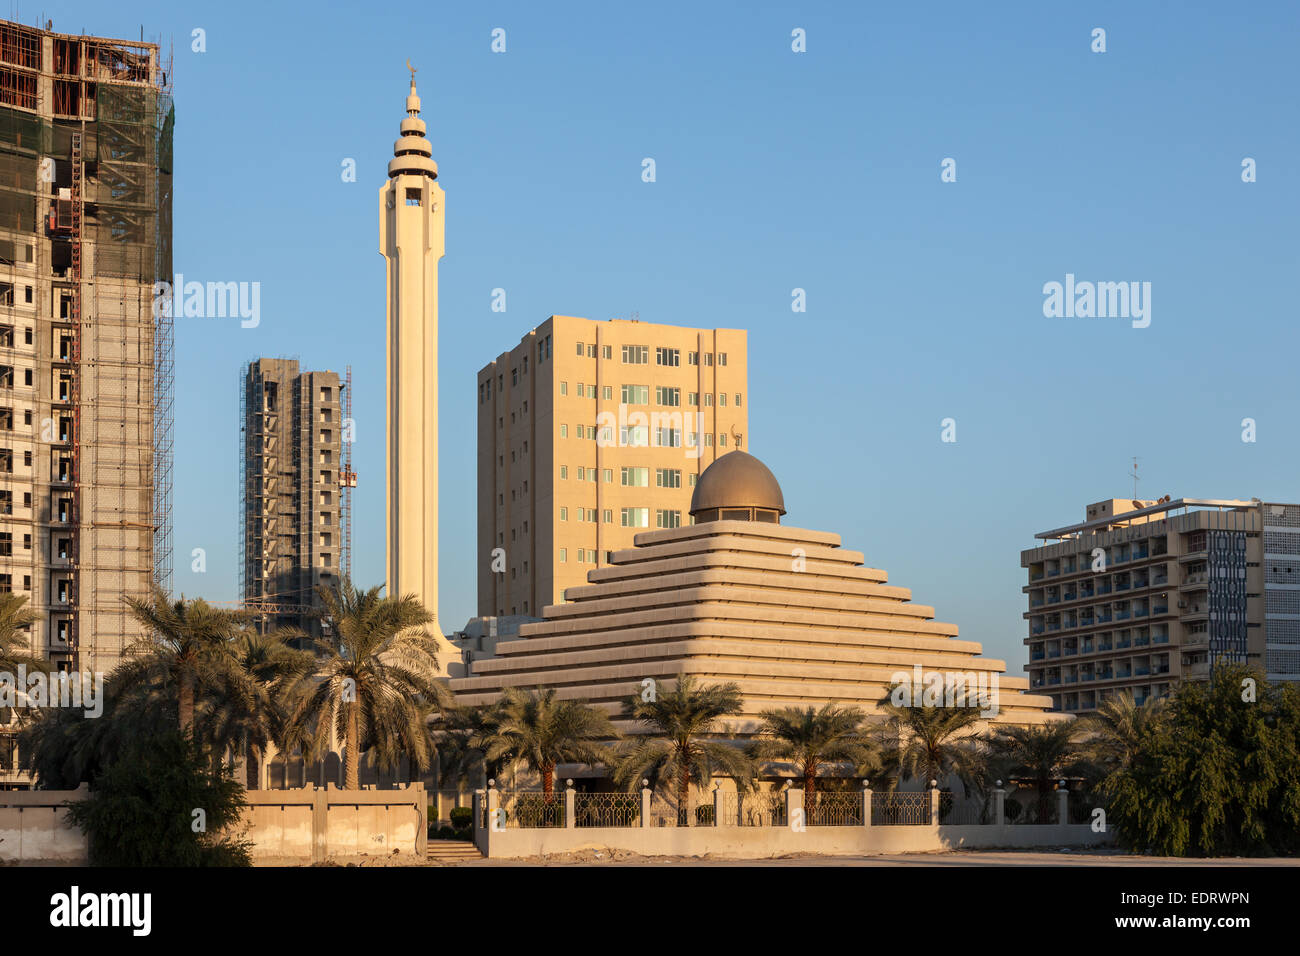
1134	475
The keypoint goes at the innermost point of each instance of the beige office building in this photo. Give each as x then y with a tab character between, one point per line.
786	613
589	433
1144	594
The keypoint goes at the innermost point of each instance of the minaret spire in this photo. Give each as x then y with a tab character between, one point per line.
411	241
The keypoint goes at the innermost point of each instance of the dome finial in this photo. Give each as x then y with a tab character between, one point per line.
413	100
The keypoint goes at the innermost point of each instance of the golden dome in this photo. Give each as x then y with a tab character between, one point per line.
737	480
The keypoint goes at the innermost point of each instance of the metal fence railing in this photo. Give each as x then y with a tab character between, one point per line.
754	809
835	809
532	810
607	809
900	809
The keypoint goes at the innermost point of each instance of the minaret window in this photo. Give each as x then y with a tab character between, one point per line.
413	197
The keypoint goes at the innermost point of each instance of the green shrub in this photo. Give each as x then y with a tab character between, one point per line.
462	817
160	802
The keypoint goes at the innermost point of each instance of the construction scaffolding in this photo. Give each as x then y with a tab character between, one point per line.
85	233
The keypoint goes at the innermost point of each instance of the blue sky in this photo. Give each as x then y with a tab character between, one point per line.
775	170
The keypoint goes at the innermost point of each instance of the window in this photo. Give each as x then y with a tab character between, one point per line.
582	473
691	481
608	516
564	471
667	396
413	197
564	555
6	460
635	394
6	336
722	440
564	388
737	399
634	436
564	514
6	501
669	357
635	477
324	393
668	437
514	375
635	517
668	478
668	519
708	358
708	439
27	334
7	419
591	351
609	475
708	399
692	398
607	351
722	358
564	431
580	348
6	543
636	354
692	358
525	364
6	376
607	392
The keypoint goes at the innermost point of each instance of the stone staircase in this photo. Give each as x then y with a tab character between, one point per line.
451	852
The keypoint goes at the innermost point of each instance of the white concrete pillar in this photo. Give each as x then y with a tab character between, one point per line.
1000	806
934	803
645	803
1063	804
570	801
866	804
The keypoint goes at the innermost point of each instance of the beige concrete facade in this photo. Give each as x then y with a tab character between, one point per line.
1144	594
786	613
589	433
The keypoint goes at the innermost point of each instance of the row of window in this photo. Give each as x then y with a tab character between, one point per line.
666	395
632	355
638	436
627	517
632	477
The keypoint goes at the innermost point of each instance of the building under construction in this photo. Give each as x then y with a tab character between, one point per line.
85	360
295	489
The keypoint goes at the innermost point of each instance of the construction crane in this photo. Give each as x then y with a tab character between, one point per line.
347	480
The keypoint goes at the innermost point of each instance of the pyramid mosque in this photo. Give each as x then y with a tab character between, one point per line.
786	613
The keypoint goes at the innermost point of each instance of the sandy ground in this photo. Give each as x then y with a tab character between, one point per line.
1047	857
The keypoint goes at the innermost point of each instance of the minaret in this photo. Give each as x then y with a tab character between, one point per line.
411	242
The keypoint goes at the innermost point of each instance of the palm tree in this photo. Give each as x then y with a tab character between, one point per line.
676	749
811	739
188	645
541	731
934	742
1118	728
1044	752
15	642
462	734
251	711
375	680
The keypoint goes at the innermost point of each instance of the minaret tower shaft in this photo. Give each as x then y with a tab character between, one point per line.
411	220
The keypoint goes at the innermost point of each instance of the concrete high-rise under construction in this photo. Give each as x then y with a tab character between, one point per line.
294	492
85	360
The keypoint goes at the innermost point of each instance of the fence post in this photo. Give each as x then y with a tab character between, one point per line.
493	802
999	806
645	802
719	802
793	802
1063	803
569	803
480	808
934	803
866	803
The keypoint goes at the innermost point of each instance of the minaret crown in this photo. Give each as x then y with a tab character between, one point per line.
412	154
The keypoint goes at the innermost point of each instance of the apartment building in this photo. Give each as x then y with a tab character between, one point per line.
1144	594
85	361
588	433
290	497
